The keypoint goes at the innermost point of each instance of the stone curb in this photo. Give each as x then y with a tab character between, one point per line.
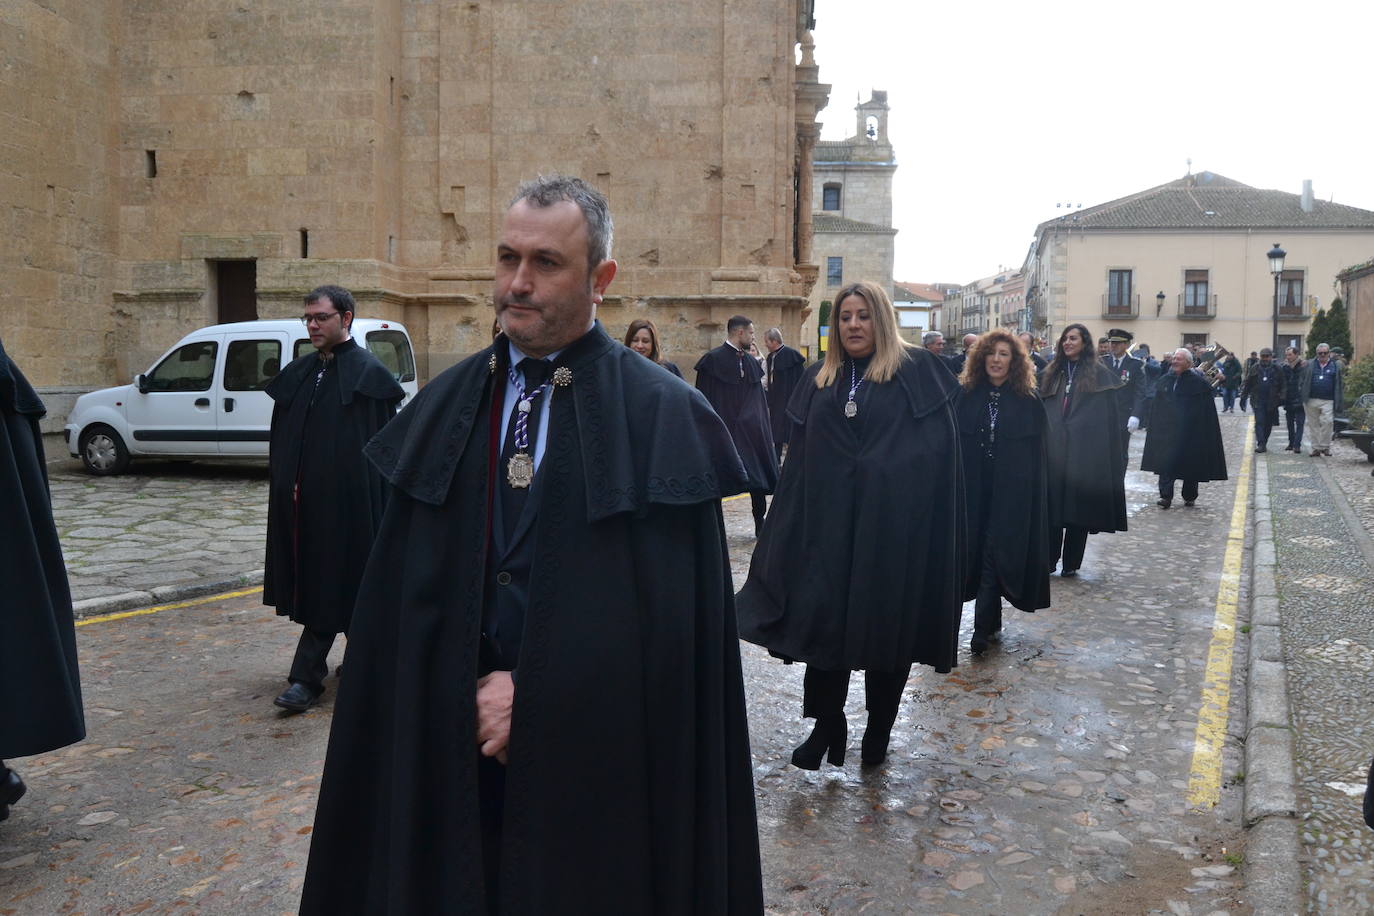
163	594
1273	874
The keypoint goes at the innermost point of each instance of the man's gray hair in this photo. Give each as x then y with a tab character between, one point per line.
547	190
1186	352
929	337
773	334
1324	344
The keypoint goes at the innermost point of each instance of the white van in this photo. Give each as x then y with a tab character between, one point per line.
204	398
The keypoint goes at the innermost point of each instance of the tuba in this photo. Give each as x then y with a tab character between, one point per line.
1207	364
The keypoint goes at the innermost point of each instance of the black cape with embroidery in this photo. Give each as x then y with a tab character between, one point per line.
39	680
315	557
629	787
1083	454
742	404
861	560
1007	497
787	368
1184	441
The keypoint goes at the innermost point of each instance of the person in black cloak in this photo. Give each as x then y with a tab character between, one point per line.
1087	492
642	337
39	679
1264	388
783	367
857	569
544	709
732	380
1130	394
1002	432
1184	441
325	500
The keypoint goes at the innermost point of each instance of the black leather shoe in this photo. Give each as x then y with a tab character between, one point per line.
12	789
1164	502
1068	573
828	735
978	644
298	698
1189	502
1260	448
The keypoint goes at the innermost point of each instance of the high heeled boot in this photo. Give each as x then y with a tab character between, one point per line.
12	789
883	691
830	734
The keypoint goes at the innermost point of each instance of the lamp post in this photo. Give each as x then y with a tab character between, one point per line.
1276	256
1159	302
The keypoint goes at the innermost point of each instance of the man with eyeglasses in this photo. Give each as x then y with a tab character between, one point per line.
1322	390
325	499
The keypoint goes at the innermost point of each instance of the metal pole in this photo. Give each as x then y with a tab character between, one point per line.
1274	339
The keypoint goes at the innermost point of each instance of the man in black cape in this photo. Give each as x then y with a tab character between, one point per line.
324	499
544	709
1130	394
732	381
1265	388
1184	441
39	681
784	367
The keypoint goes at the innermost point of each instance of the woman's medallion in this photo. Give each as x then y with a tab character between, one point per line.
851	409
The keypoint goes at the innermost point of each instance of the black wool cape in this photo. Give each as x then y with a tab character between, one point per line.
861	561
315	557
629	787
39	680
788	366
1083	454
743	405
1008	499
1184	441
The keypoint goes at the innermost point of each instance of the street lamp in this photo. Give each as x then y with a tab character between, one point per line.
1159	302
1276	256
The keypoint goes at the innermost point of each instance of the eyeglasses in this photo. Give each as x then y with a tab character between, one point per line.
318	318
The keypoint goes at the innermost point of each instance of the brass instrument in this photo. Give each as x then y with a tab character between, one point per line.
1207	364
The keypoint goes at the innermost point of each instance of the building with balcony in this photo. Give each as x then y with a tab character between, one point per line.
1187	262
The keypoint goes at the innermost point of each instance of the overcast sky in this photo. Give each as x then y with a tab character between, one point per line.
1001	110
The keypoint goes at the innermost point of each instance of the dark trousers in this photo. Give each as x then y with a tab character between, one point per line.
758	500
1296	415
311	664
987	608
491	811
824	692
1262	427
1071	544
1166	489
1125	451
1228	399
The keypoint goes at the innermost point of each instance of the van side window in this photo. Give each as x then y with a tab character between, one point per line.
251	364
303	347
188	368
393	349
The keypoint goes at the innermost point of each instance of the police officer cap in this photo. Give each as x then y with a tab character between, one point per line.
1116	335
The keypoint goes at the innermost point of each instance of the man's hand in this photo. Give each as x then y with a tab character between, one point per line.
1133	424
495	697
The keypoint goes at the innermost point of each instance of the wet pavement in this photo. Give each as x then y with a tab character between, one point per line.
1050	775
1323	571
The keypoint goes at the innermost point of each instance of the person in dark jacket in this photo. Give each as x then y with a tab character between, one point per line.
782	368
642	337
1250	362
544	708
1264	388
1294	413
1130	394
1087	492
1184	442
1038	362
1230	384
1323	391
858	569
1152	371
1002	440
324	500
732	380
40	685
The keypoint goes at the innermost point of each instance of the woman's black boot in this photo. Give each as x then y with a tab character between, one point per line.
12	789
830	734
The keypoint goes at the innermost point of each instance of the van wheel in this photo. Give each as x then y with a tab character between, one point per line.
102	451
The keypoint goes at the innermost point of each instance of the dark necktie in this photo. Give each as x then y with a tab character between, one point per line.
535	373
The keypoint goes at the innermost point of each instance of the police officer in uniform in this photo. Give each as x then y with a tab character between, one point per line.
1130	397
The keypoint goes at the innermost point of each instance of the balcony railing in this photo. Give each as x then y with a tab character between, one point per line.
1120	308
1194	310
1298	310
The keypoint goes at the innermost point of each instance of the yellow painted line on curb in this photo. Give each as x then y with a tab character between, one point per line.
1204	779
730	499
143	612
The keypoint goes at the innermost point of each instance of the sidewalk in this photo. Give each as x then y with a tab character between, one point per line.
160	532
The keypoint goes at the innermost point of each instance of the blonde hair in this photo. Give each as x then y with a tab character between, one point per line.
889	350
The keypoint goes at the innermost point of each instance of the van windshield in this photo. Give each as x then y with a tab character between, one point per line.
393	349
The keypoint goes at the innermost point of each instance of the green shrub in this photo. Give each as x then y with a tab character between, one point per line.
1359	378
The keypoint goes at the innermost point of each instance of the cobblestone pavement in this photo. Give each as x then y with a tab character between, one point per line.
1326	616
159	530
1048	776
